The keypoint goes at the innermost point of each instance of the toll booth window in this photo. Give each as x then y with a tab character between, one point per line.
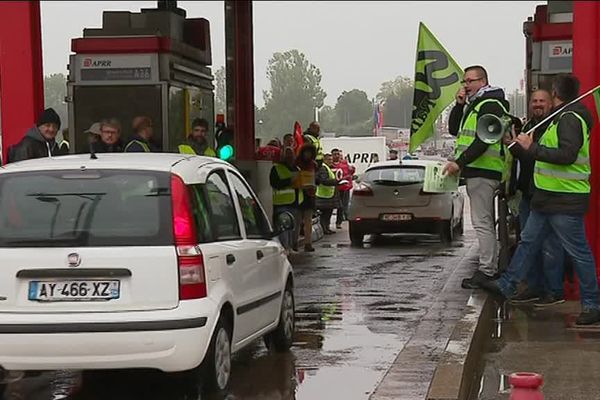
255	220
177	133
95	103
223	217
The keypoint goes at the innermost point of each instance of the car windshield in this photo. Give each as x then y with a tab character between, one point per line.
85	208
396	175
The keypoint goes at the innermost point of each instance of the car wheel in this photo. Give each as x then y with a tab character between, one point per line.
356	236
282	337
217	364
446	232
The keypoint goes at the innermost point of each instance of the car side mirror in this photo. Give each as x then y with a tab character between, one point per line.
285	222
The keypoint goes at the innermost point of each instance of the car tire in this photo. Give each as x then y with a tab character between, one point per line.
356	236
216	367
281	339
446	232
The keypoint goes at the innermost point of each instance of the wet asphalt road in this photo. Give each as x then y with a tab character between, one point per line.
355	310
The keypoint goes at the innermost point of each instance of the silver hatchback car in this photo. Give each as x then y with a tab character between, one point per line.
389	198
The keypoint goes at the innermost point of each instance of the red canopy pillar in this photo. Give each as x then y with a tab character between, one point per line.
586	67
21	77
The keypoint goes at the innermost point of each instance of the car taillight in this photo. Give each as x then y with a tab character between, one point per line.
192	283
362	190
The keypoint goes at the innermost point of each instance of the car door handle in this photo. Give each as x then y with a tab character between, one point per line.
230	259
259	254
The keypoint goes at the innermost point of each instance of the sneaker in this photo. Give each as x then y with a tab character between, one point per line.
526	296
474	282
588	317
309	248
338	227
548	301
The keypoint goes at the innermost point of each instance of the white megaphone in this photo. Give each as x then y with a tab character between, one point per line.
491	129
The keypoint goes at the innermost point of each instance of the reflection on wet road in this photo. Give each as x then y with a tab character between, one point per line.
356	308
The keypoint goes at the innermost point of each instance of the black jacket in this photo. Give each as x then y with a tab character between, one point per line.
522	178
34	145
101	147
477	148
570	140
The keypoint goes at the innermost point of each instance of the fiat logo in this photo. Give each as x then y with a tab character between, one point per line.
74	260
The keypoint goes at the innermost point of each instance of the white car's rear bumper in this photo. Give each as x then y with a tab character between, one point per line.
164	344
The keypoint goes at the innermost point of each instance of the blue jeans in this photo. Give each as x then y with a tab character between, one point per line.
546	273
570	230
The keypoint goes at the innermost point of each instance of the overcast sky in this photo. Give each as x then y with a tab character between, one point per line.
355	44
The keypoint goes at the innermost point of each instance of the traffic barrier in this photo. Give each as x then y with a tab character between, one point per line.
526	386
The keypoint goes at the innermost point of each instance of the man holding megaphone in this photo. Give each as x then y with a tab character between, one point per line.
480	162
561	197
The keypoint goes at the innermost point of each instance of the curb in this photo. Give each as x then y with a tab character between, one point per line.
458	366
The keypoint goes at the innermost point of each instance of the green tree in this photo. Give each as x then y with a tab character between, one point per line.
354	113
294	94
55	91
220	91
397	95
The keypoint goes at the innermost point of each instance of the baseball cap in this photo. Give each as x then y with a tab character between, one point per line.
94	129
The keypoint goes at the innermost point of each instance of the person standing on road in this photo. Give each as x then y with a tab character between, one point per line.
343	173
481	164
328	197
286	197
308	166
141	141
196	142
545	277
40	140
312	136
561	198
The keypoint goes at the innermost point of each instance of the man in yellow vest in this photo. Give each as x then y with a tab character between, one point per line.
143	132
286	197
196	142
312	136
327	198
481	164
561	198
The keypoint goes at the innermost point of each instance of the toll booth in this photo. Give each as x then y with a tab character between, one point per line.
154	63
549	44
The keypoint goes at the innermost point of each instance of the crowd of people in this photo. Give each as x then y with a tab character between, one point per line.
105	136
550	170
307	181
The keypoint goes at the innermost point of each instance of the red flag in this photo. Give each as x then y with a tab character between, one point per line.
298	136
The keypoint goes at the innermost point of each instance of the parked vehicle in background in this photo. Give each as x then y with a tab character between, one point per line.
361	152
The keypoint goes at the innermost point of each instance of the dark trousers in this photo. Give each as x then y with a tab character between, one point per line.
325	218
342	212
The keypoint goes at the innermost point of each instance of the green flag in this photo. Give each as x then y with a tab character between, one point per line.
437	79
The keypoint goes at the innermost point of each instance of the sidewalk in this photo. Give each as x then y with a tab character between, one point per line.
542	341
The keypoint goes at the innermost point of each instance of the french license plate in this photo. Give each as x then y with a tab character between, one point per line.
80	290
396	217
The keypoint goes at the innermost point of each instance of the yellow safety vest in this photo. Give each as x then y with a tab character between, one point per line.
492	159
326	192
573	178
187	149
317	143
287	196
144	145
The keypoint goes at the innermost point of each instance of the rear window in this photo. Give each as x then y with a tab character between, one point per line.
85	208
396	175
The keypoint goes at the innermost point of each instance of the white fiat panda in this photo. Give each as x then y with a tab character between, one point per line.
161	261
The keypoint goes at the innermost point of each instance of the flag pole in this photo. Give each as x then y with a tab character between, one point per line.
552	115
